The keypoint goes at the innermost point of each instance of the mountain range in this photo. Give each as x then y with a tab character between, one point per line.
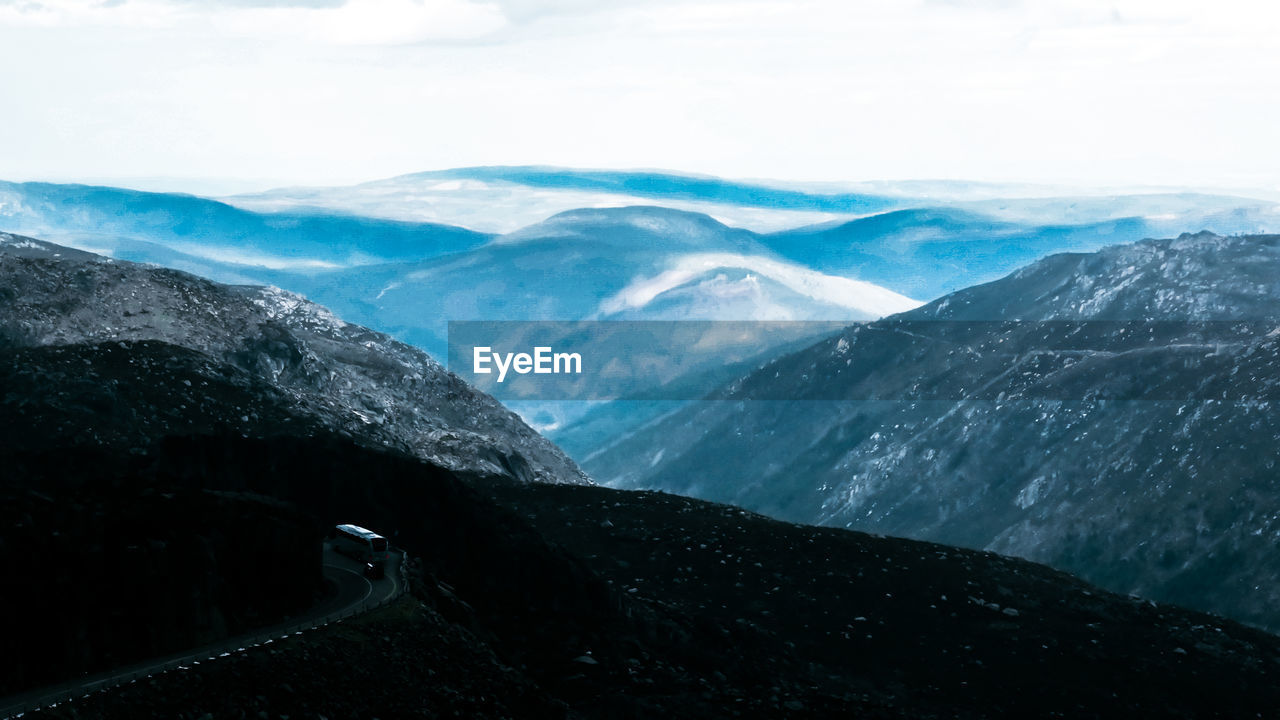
1107	413
530	599
502	199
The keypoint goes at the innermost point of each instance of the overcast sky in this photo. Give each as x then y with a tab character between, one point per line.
265	92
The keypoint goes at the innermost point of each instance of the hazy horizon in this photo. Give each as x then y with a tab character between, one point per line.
227	187
251	94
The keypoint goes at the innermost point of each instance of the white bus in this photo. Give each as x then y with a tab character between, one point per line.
363	545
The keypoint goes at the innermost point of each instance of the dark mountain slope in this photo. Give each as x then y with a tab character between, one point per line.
684	609
923	630
262	341
1110	414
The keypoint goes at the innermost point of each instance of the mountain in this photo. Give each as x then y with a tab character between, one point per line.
930	251
497	200
633	264
409	279
1168	211
665	185
110	220
566	601
620	263
266	358
182	443
504	199
1107	413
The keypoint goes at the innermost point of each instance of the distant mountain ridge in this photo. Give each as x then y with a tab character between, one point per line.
572	253
1109	413
579	265
503	199
668	185
928	252
109	217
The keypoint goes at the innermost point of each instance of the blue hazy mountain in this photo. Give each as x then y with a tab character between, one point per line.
505	199
101	216
671	186
928	252
408	277
636	263
578	244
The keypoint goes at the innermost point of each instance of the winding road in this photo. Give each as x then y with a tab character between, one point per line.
355	594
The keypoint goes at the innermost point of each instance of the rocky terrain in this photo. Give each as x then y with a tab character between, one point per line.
263	342
1110	414
587	602
157	438
538	600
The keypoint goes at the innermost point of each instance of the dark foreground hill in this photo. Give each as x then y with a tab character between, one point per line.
590	602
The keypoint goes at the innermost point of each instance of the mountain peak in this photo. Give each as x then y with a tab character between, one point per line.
1196	276
638	226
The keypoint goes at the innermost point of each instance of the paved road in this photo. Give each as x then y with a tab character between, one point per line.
355	593
354	589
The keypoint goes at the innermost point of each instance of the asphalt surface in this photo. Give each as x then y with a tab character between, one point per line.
355	593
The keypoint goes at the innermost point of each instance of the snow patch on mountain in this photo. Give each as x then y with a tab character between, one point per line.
862	299
247	258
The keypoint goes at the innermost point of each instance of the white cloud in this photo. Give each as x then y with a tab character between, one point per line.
371	22
1126	92
356	22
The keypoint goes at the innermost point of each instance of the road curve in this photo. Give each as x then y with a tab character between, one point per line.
355	594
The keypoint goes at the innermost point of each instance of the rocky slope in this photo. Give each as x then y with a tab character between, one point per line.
1111	414
259	342
586	602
